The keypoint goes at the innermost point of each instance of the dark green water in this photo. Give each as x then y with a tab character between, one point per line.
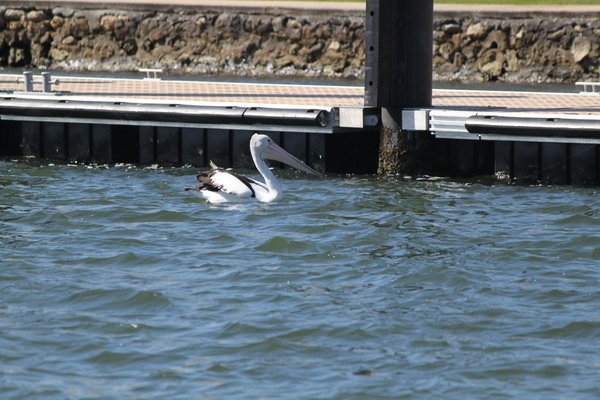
115	283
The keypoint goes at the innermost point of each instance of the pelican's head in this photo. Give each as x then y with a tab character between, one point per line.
260	143
265	148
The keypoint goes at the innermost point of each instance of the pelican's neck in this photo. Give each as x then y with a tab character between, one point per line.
270	180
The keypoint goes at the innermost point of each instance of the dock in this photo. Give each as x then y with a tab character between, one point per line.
177	122
527	136
184	122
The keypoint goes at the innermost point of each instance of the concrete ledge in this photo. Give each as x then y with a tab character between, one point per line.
346	7
263	7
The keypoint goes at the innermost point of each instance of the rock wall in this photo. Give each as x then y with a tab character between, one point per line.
182	41
526	48
513	48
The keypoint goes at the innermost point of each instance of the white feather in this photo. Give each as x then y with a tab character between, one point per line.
229	183
220	197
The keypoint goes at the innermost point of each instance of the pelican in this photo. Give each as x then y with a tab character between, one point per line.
222	186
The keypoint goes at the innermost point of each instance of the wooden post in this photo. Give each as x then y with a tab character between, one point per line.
398	74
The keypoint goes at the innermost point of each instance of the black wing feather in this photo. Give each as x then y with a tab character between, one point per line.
209	184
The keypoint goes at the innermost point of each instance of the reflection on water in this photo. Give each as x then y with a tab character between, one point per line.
114	282
512	87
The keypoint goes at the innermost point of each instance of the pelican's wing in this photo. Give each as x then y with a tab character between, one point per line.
218	179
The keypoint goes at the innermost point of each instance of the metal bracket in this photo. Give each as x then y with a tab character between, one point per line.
28	80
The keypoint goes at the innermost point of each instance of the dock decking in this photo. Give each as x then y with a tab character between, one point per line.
296	95
198	92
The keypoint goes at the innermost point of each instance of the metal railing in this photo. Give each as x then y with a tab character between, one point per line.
152	73
589	85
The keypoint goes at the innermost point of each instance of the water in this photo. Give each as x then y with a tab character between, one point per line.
115	283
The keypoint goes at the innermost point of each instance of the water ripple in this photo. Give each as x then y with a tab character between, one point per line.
127	299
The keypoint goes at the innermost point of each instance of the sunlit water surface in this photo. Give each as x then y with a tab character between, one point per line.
115	283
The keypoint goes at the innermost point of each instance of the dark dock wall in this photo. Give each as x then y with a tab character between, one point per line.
348	152
556	163
463	158
12	139
550	163
344	152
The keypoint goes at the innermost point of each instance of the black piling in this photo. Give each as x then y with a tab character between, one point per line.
398	74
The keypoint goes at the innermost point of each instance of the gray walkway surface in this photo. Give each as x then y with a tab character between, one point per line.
277	95
324	5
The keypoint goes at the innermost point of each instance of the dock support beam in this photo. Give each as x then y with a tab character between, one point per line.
398	74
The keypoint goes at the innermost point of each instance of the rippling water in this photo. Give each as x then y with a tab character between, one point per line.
114	282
